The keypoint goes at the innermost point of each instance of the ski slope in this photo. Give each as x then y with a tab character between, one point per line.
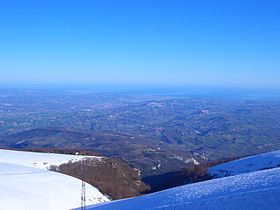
38	159
26	184
248	164
251	191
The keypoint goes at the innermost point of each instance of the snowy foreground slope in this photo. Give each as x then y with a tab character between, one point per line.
248	164
252	191
251	184
28	188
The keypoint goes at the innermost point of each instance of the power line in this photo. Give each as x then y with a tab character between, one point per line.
26	173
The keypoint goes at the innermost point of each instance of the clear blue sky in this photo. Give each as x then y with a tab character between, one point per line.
142	42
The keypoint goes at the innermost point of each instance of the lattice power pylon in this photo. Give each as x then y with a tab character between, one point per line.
83	196
83	191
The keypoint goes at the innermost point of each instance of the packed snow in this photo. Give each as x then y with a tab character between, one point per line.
25	184
38	159
251	191
248	164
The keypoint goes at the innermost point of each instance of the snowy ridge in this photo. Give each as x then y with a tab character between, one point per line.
248	164
255	190
23	187
38	159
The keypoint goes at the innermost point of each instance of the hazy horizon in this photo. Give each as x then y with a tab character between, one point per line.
224	93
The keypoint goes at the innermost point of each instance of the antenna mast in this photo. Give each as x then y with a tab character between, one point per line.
83	191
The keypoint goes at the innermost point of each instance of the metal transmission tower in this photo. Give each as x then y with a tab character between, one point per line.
83	191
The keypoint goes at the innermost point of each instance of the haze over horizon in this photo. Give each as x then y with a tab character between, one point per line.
143	43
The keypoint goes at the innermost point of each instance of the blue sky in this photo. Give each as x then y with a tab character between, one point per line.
233	43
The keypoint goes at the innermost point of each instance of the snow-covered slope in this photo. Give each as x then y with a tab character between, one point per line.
25	184
27	188
38	160
251	191
248	164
